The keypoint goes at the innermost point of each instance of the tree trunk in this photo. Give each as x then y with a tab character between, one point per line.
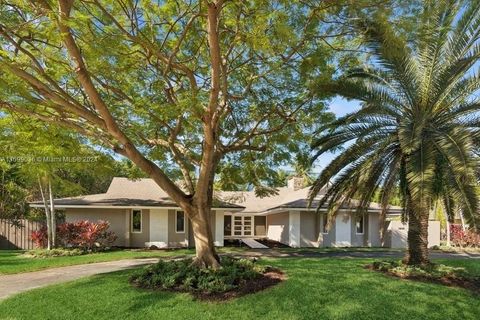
47	215
463	221
417	238
206	256
53	223
448	233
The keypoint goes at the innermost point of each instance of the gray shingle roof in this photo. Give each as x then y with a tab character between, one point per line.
124	192
129	193
285	199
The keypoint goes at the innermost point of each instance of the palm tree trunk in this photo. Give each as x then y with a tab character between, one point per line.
463	221
417	253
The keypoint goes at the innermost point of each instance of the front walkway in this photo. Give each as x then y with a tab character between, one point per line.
16	283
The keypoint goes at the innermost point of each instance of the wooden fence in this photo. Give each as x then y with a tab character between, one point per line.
16	234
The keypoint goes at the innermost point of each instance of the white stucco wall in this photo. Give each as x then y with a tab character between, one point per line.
278	227
294	229
218	236
373	239
158	228
119	220
397	234
343	227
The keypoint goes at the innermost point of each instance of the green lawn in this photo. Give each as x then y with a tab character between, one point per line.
317	288
14	261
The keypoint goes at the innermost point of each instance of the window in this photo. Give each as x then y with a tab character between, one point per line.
180	222
324	223
227	225
359	224
136	221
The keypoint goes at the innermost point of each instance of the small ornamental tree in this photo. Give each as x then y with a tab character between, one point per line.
179	88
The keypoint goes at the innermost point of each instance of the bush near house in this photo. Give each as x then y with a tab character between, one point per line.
464	238
39	237
84	235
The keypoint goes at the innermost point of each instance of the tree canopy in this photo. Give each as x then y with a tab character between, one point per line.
418	127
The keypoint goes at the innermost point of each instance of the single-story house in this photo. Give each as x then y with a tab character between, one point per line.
143	215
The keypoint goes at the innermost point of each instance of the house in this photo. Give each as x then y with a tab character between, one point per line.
143	215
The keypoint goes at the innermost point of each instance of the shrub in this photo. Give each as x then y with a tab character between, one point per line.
54	253
183	275
431	271
39	237
85	235
464	238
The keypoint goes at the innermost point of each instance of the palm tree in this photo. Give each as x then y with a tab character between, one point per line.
418	130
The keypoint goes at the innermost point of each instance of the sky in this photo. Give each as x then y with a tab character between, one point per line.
340	107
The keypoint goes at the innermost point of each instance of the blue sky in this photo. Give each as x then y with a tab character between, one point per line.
340	107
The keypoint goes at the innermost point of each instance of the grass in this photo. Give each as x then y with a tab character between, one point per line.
334	249
317	288
15	262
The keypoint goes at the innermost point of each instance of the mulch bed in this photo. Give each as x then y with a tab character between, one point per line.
471	284
269	279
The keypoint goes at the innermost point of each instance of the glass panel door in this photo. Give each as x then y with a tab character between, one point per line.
247	226
237	226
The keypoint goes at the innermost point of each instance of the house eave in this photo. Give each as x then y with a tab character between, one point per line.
286	209
128	207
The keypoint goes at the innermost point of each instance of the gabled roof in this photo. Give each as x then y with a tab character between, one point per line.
286	198
124	192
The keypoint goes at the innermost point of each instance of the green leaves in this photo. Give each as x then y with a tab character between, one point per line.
418	126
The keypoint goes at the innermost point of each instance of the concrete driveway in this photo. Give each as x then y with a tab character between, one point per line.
16	283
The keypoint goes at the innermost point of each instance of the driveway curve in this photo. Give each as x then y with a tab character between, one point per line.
17	283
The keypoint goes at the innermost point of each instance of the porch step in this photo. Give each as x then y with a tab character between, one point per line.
252	243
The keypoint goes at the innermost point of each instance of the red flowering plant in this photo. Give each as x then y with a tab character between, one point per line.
464	238
39	237
95	235
86	235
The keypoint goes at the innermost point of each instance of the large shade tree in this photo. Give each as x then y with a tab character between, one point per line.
177	87
418	129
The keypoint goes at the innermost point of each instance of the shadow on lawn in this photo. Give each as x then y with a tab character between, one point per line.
316	289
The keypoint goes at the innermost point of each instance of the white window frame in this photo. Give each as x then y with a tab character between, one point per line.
184	221
131	221
324	223
363	224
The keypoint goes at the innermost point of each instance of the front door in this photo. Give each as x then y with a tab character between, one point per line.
242	226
